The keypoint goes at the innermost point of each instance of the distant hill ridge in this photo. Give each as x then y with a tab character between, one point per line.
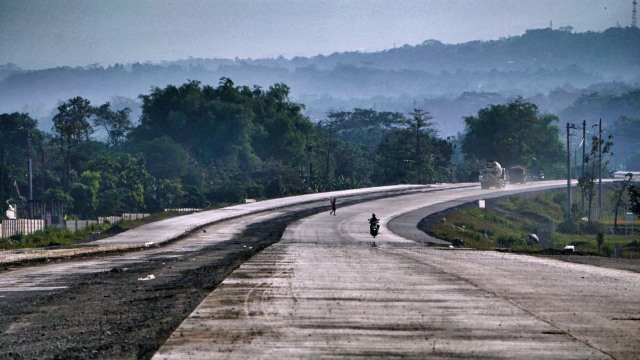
538	62
538	48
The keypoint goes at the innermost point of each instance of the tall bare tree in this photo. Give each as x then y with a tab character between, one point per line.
618	199
71	126
116	123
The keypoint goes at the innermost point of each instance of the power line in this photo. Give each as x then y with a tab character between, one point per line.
633	136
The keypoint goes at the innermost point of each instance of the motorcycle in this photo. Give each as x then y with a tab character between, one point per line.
374	226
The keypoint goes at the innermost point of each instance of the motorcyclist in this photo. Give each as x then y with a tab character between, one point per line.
374	223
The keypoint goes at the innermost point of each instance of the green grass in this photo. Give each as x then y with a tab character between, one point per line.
60	236
482	229
50	236
629	245
506	223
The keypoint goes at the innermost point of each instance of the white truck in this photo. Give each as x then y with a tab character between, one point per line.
493	175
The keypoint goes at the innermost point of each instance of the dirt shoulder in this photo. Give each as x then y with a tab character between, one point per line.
601	261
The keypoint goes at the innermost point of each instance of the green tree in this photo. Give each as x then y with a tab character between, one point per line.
169	193
365	127
213	124
634	199
587	185
340	164
618	199
279	129
84	202
57	195
71	127
413	154
16	132
85	193
596	160
123	184
468	169
514	134
117	124
227	132
164	159
353	167
627	151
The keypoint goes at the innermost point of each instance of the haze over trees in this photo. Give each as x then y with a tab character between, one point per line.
516	134
552	68
200	145
143	137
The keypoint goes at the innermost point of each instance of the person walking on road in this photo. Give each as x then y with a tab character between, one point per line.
333	206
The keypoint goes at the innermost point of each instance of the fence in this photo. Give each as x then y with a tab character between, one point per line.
109	219
9	228
184	210
77	225
134	216
123	217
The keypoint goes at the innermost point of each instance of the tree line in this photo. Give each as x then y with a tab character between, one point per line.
200	145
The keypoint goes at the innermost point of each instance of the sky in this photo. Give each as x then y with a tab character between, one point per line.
37	34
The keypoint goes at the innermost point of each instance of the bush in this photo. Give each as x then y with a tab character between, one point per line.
227	192
600	238
568	227
50	235
590	227
560	198
580	243
508	241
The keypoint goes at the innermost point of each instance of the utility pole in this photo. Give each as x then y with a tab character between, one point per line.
30	175
568	216
308	161
326	170
600	169
584	145
2	175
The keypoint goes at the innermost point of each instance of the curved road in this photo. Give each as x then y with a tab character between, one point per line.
324	291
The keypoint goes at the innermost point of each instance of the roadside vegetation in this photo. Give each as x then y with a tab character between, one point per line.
507	222
55	236
49	237
203	146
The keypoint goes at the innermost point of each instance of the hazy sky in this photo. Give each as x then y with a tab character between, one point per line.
47	33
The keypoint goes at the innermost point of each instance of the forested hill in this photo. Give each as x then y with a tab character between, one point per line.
611	53
552	67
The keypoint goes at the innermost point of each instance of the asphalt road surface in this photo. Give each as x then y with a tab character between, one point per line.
325	291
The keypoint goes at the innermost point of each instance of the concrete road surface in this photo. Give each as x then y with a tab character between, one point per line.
324	291
167	230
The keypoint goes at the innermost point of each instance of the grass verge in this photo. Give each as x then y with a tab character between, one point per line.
506	223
